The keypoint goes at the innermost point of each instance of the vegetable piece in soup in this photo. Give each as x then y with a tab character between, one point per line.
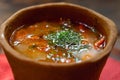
60	41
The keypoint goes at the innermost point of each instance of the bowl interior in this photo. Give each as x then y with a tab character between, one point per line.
49	12
38	13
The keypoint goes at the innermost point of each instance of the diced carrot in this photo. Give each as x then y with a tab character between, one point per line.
84	42
81	28
34	37
99	42
20	34
86	57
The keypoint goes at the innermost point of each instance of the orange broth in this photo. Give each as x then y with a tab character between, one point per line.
60	41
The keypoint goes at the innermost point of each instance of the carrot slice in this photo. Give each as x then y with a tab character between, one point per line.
99	42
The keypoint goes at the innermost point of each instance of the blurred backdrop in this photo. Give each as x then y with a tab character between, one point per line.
109	8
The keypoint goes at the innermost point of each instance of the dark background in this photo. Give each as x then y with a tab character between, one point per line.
109	8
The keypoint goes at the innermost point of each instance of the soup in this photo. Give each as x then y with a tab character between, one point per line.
60	41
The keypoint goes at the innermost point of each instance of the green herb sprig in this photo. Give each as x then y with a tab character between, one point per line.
65	38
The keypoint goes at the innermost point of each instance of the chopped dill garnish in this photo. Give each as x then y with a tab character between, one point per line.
64	38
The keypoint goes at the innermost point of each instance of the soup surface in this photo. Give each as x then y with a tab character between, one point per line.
62	41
